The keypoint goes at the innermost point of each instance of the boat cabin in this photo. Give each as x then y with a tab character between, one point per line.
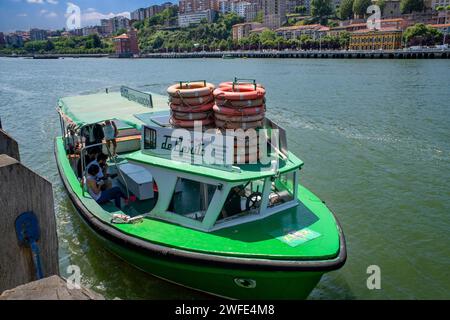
200	196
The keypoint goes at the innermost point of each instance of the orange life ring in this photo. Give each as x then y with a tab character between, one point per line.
192	101
248	158
190	115
194	109
239	104
238	85
233	112
243	94
238	125
190	90
190	123
247	143
241	118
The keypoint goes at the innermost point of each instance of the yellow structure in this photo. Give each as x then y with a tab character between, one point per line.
386	39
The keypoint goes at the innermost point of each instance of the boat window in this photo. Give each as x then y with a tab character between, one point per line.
243	200
149	138
282	190
191	199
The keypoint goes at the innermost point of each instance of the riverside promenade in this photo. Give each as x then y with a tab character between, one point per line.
323	54
267	54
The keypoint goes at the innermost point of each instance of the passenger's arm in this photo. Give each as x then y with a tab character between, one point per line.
116	131
94	186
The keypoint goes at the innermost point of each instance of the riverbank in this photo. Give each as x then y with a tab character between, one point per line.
320	54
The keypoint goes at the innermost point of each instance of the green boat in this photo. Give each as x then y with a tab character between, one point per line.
274	242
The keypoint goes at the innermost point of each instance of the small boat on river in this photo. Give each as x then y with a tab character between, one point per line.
234	230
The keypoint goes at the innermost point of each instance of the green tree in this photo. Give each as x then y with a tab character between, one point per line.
408	6
259	17
300	9
360	7
346	9
49	46
321	9
421	34
267	35
119	32
344	40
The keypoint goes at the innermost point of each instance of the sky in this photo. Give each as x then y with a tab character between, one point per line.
51	14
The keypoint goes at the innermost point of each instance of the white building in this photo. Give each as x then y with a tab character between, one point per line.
274	13
240	7
185	20
440	3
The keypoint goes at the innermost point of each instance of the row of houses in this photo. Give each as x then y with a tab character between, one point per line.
144	13
387	37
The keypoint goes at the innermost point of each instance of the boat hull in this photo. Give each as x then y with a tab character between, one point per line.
222	282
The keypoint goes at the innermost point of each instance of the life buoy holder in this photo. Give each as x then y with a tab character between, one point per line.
238	86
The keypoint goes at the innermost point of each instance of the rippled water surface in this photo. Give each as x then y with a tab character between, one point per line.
374	135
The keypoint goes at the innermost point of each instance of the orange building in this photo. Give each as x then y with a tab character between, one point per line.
126	43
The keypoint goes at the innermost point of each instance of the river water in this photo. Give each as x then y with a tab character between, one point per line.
374	136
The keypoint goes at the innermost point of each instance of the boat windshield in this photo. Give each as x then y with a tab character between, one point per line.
243	200
191	199
282	189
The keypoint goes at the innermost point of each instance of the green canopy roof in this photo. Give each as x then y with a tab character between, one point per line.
94	108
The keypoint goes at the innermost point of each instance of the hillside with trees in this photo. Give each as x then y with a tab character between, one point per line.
91	44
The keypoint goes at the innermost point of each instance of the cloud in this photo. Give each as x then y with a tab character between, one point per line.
52	1
51	15
91	16
22	15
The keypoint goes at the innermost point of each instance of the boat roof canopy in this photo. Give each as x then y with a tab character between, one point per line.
94	108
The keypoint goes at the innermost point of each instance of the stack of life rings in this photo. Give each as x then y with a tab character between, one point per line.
241	106
191	102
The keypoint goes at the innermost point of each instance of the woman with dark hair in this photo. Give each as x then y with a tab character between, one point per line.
96	192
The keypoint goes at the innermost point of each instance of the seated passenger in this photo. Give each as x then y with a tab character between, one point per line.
103	174
88	158
94	188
